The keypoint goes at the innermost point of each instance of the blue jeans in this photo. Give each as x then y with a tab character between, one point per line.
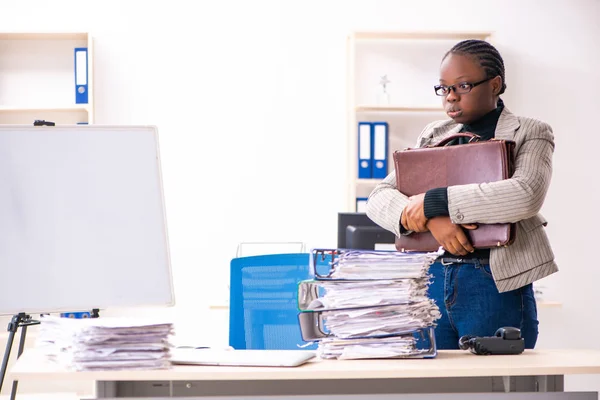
470	304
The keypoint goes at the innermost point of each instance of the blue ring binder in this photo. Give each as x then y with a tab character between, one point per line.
81	75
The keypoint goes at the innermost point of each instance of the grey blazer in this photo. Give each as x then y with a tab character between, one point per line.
518	199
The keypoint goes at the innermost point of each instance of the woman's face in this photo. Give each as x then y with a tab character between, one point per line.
467	107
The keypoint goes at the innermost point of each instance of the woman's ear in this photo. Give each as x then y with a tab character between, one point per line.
496	85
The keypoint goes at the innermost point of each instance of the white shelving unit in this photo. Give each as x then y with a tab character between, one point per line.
411	62
37	77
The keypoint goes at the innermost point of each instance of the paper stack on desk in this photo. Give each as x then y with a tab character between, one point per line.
372	304
106	343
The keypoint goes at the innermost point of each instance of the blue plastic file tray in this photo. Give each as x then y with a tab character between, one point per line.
321	261
263	301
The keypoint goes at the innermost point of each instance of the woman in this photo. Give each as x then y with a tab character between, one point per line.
479	291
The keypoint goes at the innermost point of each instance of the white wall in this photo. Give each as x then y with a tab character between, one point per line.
249	98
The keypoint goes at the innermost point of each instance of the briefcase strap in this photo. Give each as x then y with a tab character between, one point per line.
471	136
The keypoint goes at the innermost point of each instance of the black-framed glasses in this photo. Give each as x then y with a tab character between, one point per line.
459	88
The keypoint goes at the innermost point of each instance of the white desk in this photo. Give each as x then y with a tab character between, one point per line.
450	372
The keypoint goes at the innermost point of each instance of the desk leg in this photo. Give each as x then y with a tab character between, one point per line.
106	389
550	383
520	384
506	383
509	384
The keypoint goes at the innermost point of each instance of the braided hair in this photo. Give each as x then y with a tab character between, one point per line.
484	53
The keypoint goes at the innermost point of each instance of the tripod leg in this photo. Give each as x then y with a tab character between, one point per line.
9	343
13	392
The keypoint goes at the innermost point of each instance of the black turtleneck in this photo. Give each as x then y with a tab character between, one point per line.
436	200
484	126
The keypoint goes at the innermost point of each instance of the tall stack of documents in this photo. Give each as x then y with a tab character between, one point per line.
106	343
371	304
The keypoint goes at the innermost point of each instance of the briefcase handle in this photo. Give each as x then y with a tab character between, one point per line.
471	136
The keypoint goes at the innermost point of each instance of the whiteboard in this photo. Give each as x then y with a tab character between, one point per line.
82	219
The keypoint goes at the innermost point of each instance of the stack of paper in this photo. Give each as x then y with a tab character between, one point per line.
373	304
340	294
106	343
368	265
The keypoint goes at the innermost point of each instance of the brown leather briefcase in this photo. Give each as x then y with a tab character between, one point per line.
440	165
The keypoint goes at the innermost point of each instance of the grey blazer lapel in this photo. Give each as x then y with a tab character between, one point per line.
508	123
441	132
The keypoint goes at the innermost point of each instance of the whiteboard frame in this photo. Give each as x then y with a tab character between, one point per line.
97	127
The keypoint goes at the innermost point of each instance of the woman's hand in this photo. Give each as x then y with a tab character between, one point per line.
413	215
451	236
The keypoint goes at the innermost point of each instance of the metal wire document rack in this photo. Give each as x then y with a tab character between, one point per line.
368	304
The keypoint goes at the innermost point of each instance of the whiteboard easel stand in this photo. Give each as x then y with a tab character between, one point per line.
22	321
80	156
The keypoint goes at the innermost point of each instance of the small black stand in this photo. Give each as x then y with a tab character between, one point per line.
20	320
42	122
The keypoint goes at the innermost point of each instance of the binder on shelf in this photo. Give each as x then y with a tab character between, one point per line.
364	150
81	75
380	149
361	204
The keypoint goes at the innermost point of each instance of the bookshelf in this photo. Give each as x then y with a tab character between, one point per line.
37	77
410	60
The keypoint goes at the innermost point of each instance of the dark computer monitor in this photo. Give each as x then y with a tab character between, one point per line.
357	231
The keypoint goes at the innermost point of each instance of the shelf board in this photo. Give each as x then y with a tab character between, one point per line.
43	36
549	304
367	181
376	108
458	35
219	307
75	107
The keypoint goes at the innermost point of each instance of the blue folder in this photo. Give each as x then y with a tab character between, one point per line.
81	75
365	150
379	142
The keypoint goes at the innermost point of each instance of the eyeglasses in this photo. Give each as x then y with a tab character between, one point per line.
459	88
